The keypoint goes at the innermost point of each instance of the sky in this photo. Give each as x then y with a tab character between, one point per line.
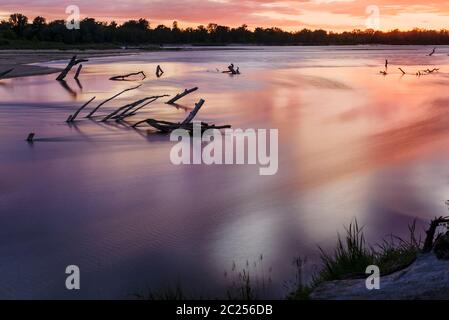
332	15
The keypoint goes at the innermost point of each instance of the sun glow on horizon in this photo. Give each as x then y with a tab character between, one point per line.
290	15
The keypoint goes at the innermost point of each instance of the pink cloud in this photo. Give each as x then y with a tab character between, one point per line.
290	14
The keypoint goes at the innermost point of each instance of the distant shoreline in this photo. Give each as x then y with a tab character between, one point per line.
23	60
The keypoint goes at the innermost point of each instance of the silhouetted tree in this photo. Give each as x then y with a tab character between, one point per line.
18	22
140	32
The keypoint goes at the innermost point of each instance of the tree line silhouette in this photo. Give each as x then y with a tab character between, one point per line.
135	32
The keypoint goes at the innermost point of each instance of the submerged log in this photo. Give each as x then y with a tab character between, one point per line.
73	117
181	95
107	100
123	78
168	127
4	73
73	62
123	110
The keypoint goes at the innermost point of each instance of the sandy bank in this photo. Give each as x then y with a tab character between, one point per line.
20	60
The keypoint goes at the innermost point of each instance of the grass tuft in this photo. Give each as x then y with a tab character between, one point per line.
352	256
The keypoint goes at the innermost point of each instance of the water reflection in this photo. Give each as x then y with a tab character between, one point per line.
101	195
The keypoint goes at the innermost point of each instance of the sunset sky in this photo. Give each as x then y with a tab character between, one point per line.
334	15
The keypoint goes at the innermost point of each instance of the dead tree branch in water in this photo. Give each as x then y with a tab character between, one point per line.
159	71
73	62
126	110
181	95
232	70
123	78
30	137
130	112
107	100
421	72
77	74
430	71
430	233
4	73
167	127
73	117
189	118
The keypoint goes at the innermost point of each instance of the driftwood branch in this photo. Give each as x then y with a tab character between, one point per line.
73	117
403	72
192	114
126	108
78	71
159	71
30	137
430	71
107	100
232	70
181	95
189	118
167	127
131	111
4	73
123	78
430	233
73	62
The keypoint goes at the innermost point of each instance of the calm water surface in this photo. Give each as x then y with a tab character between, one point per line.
353	144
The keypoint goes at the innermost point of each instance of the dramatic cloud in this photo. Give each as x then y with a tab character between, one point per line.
288	14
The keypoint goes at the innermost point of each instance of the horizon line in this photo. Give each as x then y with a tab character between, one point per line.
5	17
